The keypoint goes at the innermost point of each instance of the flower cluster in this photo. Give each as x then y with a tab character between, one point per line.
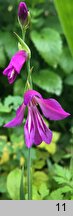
35	129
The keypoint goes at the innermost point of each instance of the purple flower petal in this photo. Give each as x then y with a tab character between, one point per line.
8	69
52	109
18	60
18	119
15	65
10	73
44	132
12	76
29	129
28	96
37	137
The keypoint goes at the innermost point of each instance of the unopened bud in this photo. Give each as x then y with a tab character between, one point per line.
22	13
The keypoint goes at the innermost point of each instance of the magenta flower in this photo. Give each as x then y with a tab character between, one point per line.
35	129
15	65
22	12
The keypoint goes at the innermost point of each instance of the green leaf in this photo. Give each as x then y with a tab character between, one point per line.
13	101
13	184
19	87
60	180
33	3
2	57
22	195
65	12
58	157
59	193
36	12
62	174
4	108
38	22
56	136
3	179
48	81
1	120
8	42
39	178
49	45
56	195
43	190
35	194
39	164
66	189
66	61
6	117
53	22
69	80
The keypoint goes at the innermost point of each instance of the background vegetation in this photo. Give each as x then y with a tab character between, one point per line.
52	74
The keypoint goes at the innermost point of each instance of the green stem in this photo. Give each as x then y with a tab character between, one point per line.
23	34
29	80
29	175
29	73
22	195
71	161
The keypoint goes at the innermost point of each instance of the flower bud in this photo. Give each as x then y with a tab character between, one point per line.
22	13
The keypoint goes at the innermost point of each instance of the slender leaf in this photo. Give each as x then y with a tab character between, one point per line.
65	12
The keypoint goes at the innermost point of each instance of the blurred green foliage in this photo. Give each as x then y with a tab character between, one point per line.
52	74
